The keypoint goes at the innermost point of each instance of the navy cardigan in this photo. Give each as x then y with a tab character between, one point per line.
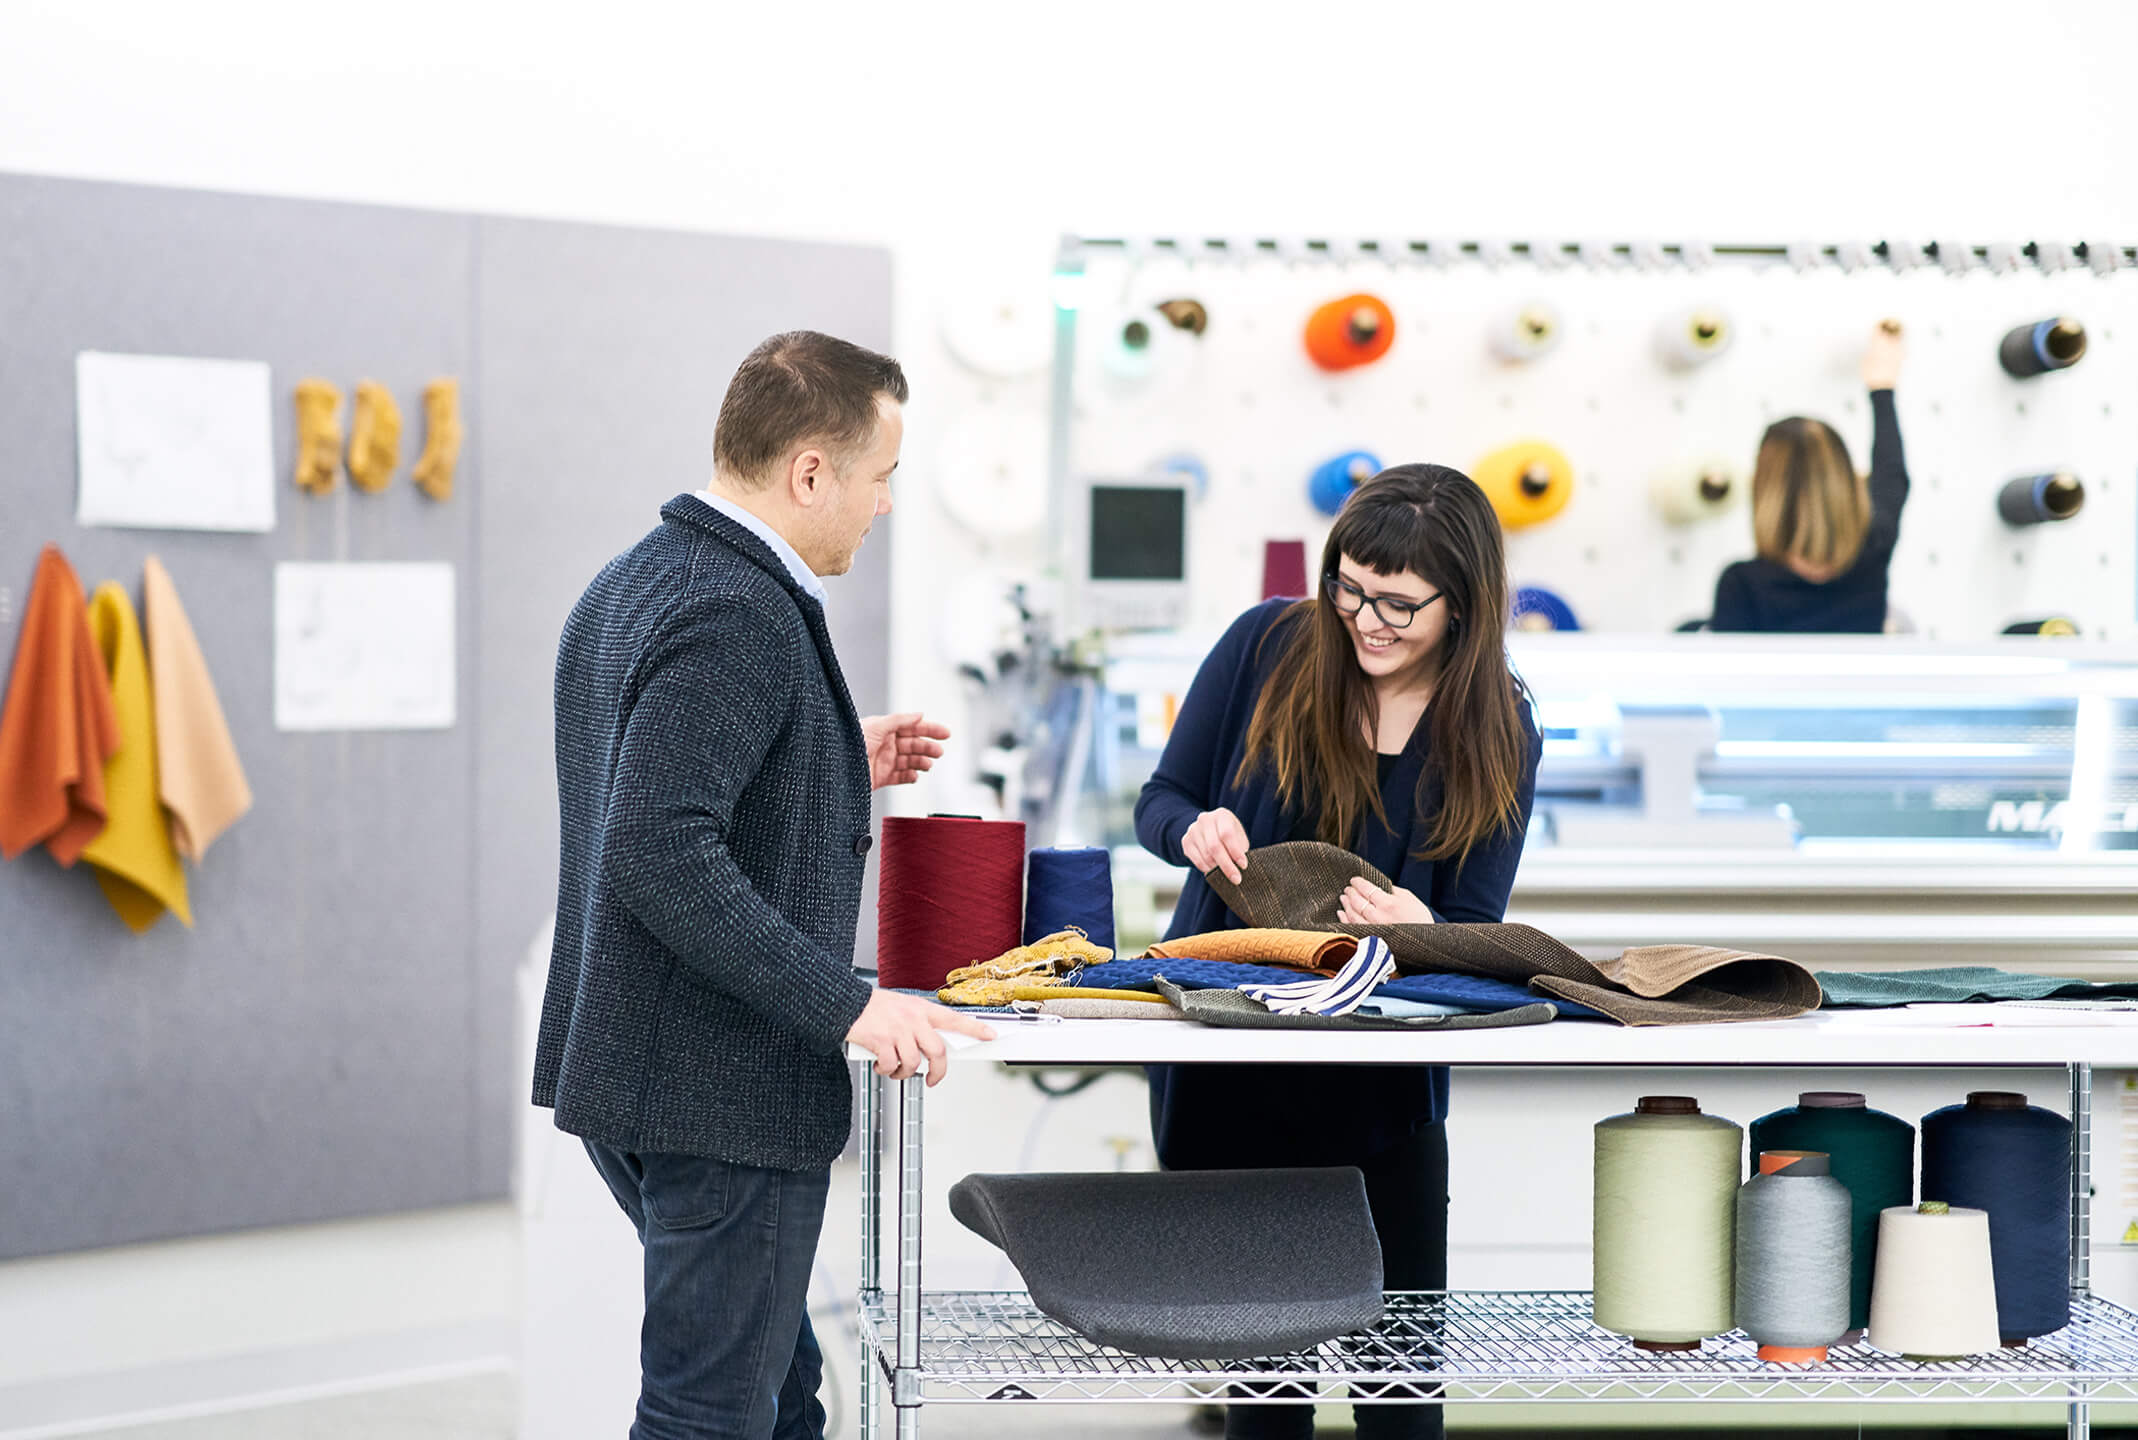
1215	1116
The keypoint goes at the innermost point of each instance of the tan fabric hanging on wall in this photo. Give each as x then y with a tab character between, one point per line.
199	778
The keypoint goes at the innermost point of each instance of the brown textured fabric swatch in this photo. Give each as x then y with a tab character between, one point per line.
1297	885
1315	949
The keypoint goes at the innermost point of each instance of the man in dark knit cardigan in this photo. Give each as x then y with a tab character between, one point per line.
714	782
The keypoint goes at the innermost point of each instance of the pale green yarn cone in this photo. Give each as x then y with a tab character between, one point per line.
1665	1225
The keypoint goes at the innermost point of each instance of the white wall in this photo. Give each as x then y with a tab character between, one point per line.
968	135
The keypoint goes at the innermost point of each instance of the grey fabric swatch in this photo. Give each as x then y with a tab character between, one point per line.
1957	985
1234	1010
1105	1009
1188	1264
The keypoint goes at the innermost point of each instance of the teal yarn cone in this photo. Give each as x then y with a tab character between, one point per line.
1793	1257
1666	1222
1872	1153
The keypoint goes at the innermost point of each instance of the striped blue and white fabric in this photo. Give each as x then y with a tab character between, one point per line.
1339	994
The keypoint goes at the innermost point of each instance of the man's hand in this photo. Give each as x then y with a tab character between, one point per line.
901	747
1365	903
900	1031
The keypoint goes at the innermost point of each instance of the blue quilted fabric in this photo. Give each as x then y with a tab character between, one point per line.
1472	992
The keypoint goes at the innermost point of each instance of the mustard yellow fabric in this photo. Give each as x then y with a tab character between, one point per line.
136	863
1046	962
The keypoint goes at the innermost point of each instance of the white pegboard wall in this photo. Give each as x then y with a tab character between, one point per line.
1245	398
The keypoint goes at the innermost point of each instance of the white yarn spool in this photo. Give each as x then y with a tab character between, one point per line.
1692	338
1666	1223
991	472
1526	334
1692	490
1003	332
1933	1294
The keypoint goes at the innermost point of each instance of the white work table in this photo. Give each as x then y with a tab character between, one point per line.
1472	1346
2021	1036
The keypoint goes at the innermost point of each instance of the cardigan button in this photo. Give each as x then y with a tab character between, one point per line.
863	842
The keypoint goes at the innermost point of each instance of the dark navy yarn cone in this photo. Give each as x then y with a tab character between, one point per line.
1873	1154
1070	885
2000	1154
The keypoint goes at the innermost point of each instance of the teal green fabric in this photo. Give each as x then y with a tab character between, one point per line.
1960	984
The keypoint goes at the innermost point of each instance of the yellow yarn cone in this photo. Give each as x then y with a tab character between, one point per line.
1527	482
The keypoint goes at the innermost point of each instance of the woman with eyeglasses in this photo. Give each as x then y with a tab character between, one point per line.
1379	715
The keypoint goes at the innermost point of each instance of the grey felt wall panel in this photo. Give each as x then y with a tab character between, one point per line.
335	1036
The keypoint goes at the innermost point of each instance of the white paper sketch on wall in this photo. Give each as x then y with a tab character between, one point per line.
167	442
364	647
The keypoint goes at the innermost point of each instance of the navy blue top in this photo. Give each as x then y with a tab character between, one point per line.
1216	1116
1761	595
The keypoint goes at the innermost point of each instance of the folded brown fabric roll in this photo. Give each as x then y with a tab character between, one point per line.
1297	884
1317	950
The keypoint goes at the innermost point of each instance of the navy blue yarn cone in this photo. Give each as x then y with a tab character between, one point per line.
1070	885
1873	1154
2000	1154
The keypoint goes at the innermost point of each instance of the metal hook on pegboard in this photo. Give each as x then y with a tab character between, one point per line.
1648	255
1550	255
2053	256
2004	257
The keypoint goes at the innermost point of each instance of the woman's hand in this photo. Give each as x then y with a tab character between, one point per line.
1216	841
1365	903
1882	357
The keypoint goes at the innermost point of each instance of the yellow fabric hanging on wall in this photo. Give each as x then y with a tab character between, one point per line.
136	864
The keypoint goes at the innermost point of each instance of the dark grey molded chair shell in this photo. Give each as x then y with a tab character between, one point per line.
1188	1264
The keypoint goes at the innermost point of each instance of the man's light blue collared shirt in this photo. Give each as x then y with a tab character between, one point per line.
803	575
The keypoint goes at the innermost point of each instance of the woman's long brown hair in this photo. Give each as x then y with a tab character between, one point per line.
1312	723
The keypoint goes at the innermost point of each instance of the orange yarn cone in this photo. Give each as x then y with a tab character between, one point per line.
1356	330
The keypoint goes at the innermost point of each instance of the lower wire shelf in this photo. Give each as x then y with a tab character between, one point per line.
1467	1346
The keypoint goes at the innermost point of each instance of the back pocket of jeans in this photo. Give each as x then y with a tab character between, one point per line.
685	1192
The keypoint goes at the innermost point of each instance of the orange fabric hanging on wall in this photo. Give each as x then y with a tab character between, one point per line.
59	725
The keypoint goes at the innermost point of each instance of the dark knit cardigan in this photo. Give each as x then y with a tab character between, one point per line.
714	794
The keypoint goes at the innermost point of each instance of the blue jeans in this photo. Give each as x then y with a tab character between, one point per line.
726	1352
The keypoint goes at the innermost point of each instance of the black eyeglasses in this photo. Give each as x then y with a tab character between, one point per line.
1349	600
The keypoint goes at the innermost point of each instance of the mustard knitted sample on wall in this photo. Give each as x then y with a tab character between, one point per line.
318	436
136	863
374	438
441	439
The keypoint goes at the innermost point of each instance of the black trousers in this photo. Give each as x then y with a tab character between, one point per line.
1407	1191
